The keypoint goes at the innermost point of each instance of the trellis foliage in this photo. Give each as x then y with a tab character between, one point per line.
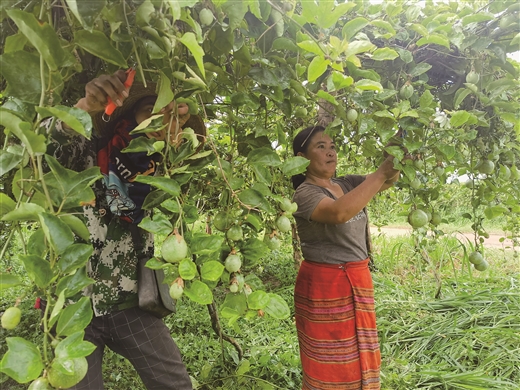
257	71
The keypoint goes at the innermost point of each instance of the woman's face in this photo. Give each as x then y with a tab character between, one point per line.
321	151
144	109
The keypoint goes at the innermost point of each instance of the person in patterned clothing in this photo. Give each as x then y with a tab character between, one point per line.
118	323
334	295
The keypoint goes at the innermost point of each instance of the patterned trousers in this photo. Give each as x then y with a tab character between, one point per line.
145	341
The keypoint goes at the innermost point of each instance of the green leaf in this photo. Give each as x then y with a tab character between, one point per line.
426	99
74	346
86	11
234	303
162	183
77	119
155	263
368	85
187	269
515	41
190	41
74	257
203	244
72	284
254	249
144	144
254	199
6	204
420	69
24	212
277	307
165	95
75	318
199	292
448	151
22	361
295	165
316	68
38	269
42	36
76	225
477	18
384	54
459	118
8	161
383	24
352	27
57	232
211	270
35	143
495	211
265	156
341	81
258	300
356	47
311	46
436	39
159	225
326	15
8	281
327	96
97	44
56	310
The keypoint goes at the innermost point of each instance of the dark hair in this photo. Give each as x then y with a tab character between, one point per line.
300	145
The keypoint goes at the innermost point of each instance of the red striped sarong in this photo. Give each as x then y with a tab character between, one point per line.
336	324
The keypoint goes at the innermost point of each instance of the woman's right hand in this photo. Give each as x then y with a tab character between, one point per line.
387	169
98	89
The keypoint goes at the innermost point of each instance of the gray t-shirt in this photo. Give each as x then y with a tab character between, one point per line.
327	243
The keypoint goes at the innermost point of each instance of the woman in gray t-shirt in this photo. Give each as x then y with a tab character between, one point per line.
334	295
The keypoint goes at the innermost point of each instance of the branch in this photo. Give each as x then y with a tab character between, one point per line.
215	324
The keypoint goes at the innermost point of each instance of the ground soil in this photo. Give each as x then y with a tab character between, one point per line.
492	242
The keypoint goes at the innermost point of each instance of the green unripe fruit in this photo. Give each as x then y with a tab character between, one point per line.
206	17
352	115
406	91
233	263
65	373
174	248
439	171
486	167
221	221
419	164
176	290
233	287
11	318
472	77
300	112
418	218
298	99
475	258
235	233
484	265
415	184
436	219
273	242
40	384
288	206
283	224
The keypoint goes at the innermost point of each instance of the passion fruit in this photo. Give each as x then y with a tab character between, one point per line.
436	219
438	170
418	218
484	265
486	167
11	318
300	112
352	115
65	372
283	224
40	384
176	290
472	77
235	233
406	91
233	262
415	184
272	242
222	221
475	257
174	248
206	17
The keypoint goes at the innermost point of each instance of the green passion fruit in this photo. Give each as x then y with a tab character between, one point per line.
272	242
233	263
482	266
436	219
288	205
352	115
406	91
472	77
222	221
205	17
176	290
417	218
11	318
174	248
40	384
235	233
486	167
475	257
283	224
65	372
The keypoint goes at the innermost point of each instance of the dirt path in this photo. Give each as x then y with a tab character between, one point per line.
492	242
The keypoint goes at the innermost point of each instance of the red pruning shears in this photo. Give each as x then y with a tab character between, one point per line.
111	106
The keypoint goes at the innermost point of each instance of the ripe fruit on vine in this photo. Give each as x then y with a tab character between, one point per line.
472	77
11	318
233	262
475	257
40	384
406	91
174	248
482	266
283	224
235	233
417	218
177	289
352	115
65	372
486	167
205	17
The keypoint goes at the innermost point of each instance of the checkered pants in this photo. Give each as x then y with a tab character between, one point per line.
145	341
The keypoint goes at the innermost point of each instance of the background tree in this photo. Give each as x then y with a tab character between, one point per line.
257	71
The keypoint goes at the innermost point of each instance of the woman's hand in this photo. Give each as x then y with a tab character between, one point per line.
98	89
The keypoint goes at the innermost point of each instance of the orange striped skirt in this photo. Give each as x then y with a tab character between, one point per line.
336	324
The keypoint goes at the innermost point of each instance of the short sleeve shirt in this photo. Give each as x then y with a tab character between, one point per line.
328	243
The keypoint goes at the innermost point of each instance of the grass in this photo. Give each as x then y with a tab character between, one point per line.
467	338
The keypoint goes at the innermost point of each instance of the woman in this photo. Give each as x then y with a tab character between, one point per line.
334	296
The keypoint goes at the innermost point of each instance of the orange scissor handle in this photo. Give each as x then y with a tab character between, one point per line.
111	106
